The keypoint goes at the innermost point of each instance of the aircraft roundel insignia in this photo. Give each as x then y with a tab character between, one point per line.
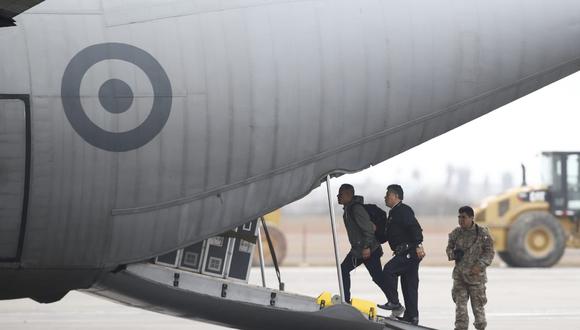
80	121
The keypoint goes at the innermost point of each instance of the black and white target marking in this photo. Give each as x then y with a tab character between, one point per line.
85	127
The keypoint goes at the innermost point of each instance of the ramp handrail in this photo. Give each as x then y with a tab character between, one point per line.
334	239
273	253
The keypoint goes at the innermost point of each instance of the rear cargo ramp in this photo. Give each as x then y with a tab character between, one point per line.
229	303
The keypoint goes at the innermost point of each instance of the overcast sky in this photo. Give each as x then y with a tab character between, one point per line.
548	119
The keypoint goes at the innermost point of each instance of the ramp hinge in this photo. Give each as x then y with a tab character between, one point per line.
224	290
176	279
273	299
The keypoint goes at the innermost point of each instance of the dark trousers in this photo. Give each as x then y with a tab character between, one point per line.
373	265
408	269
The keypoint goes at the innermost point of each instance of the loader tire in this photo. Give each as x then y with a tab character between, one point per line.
536	239
506	257
279	242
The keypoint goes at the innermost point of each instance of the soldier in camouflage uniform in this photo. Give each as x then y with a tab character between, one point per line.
471	246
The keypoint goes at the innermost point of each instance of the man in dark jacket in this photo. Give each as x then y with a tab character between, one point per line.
361	234
405	238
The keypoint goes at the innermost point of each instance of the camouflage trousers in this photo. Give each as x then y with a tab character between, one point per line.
461	293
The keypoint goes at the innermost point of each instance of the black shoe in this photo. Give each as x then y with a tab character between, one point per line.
413	320
390	306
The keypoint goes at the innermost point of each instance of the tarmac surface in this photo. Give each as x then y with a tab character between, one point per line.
518	299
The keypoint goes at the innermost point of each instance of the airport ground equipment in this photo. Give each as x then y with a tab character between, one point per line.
277	237
531	226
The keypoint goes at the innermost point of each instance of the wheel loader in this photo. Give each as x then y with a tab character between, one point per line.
532	225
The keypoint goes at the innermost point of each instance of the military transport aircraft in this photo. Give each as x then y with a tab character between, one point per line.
133	128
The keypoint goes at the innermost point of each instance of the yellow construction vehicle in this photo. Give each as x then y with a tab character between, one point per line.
531	226
278	240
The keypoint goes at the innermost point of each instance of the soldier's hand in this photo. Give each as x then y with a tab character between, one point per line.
420	252
476	270
366	253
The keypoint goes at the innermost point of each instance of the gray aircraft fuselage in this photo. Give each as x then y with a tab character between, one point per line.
132	128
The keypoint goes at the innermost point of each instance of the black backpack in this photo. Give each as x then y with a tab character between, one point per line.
379	219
